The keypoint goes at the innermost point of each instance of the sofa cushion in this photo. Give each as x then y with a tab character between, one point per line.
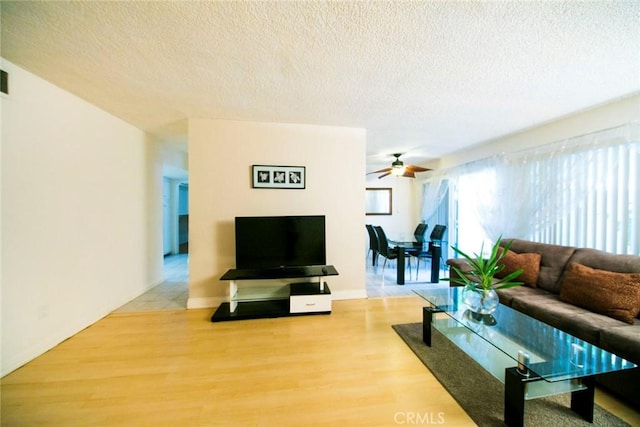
552	262
616	295
507	295
528	262
574	320
606	261
623	341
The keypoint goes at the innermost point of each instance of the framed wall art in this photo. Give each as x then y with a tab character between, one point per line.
378	201
291	177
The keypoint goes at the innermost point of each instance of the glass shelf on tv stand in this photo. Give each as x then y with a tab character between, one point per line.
279	290
260	293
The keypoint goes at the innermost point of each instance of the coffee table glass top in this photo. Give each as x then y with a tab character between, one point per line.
553	354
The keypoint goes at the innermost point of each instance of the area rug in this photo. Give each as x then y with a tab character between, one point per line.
481	395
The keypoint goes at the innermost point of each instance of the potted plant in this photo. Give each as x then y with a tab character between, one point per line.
478	280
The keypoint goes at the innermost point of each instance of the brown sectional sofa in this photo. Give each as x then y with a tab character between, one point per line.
582	317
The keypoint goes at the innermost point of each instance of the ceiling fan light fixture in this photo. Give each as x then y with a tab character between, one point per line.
398	170
397	167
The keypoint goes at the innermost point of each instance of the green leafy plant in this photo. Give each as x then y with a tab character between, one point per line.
479	277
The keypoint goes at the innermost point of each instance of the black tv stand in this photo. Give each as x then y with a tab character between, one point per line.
312	296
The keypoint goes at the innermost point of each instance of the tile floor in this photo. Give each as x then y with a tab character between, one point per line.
173	292
384	285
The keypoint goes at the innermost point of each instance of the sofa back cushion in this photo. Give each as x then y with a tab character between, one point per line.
528	262
616	295
607	261
553	260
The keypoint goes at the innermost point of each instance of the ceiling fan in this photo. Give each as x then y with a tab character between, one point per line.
398	168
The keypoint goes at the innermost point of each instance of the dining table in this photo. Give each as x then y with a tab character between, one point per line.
407	247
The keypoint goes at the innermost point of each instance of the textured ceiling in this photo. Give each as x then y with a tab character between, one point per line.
424	78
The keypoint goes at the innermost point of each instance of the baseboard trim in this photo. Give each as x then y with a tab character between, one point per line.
204	302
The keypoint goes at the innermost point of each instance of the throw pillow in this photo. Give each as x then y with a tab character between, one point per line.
613	294
529	262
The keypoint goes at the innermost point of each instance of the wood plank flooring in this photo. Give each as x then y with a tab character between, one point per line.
177	368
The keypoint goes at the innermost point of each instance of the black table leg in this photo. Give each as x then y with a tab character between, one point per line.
514	393
400	267
436	254
582	400
514	389
427	316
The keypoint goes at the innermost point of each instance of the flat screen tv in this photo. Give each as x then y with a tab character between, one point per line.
280	241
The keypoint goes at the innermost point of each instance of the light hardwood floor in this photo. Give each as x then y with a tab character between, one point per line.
177	368
153	362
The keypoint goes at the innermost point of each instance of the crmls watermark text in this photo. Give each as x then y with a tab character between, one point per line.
419	418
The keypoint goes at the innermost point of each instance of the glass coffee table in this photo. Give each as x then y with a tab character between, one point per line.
531	358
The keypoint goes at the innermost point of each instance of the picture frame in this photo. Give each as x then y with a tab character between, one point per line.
287	177
378	201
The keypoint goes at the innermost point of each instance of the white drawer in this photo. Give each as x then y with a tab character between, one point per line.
310	303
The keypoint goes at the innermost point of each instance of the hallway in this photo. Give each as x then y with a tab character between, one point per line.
171	294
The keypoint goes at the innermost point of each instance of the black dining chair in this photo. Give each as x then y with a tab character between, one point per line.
435	239
373	244
437	234
386	251
419	232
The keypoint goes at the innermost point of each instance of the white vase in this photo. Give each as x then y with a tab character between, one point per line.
481	301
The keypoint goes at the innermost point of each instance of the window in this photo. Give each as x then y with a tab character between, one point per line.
597	200
581	192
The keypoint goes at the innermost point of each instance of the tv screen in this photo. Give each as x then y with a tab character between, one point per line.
280	241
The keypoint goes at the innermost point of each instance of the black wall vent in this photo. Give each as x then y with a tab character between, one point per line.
4	82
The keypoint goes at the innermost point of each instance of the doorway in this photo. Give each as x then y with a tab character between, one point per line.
173	292
175	216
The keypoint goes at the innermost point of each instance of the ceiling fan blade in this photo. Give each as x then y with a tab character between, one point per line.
409	174
384	174
380	171
414	168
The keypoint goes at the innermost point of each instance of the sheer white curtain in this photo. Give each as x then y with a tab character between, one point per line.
462	184
434	189
583	191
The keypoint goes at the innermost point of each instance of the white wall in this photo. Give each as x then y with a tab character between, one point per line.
221	153
81	215
405	213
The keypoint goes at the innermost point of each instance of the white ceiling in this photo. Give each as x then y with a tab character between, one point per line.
424	78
